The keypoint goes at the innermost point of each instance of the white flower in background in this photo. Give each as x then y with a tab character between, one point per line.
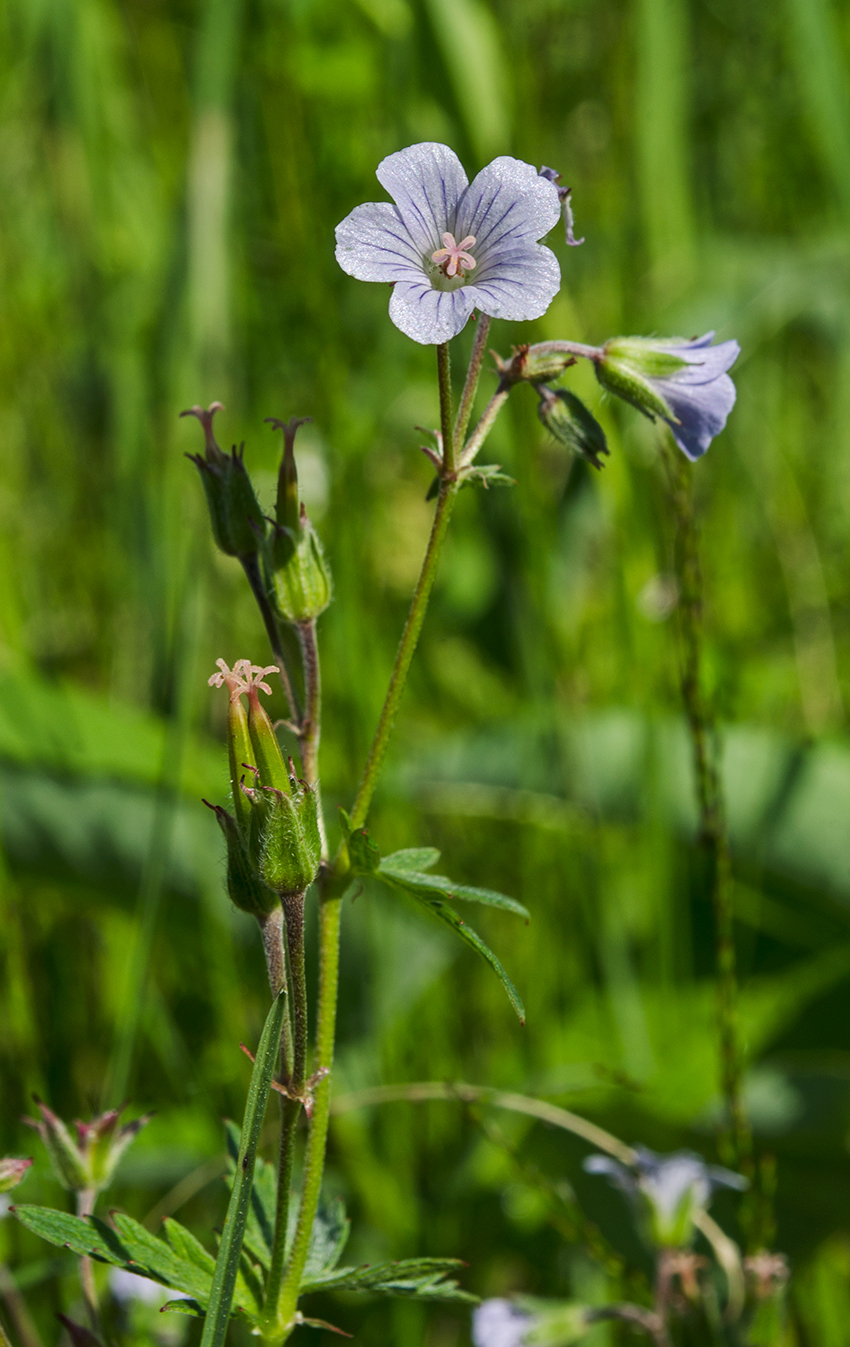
449	246
498	1323
667	1190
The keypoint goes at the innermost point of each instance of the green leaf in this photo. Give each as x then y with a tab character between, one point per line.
259	1228
412	858
364	854
230	1250
424	1278
327	1239
183	1307
437	886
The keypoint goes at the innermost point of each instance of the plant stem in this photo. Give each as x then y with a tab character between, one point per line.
311	725
86	1198
293	910
251	567
444	376
330	916
485	425
473	374
271	928
567	348
701	723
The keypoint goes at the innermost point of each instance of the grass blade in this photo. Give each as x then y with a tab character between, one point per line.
230	1249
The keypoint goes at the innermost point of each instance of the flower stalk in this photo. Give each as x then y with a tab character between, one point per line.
703	731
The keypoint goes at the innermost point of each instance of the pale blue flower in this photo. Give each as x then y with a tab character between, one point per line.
668	1190
685	382
498	1323
449	246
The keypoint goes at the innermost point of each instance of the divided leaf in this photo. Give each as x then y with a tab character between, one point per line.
424	1278
486	475
328	1238
399	870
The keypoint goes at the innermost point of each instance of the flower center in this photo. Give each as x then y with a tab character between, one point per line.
453	259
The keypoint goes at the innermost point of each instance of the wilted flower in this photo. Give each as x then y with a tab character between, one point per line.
684	382
449	246
12	1171
564	196
498	1323
667	1190
766	1272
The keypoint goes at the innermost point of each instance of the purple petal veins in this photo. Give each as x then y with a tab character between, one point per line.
701	395
497	264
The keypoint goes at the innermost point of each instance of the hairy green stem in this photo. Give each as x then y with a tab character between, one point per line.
271	929
330	916
86	1199
568	348
293	911
485	425
444	376
311	725
714	836
473	374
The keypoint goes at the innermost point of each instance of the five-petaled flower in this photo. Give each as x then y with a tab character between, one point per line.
498	266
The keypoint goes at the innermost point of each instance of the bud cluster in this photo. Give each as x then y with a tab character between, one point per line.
273	841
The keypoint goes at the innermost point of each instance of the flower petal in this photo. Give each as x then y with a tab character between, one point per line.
519	284
507	201
430	316
426	182
705	362
498	1323
701	410
373	245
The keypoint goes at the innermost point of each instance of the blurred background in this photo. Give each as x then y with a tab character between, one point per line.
170	177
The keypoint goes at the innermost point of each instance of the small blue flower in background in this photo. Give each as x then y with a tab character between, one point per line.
684	382
498	1323
449	246
667	1190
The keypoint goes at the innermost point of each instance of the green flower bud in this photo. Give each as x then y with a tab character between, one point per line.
235	514
245	888
88	1163
568	420
284	840
627	366
533	364
297	573
12	1171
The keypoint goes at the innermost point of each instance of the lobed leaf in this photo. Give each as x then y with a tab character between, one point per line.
439	886
328	1238
424	1278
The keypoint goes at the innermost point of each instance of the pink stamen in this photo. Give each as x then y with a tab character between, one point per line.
453	258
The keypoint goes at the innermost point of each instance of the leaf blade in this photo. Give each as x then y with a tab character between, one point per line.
230	1249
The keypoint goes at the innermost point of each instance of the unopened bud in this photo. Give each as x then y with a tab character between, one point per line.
533	364
12	1171
235	514
632	366
568	420
285	843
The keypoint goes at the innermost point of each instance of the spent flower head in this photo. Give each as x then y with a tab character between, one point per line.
449	246
667	1191
12	1171
684	382
88	1162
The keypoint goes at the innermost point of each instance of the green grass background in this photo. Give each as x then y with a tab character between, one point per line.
170	176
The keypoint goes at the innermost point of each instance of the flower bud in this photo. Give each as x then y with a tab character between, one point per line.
568	420
628	366
88	1163
297	574
12	1171
245	888
533	364
235	514
284	841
